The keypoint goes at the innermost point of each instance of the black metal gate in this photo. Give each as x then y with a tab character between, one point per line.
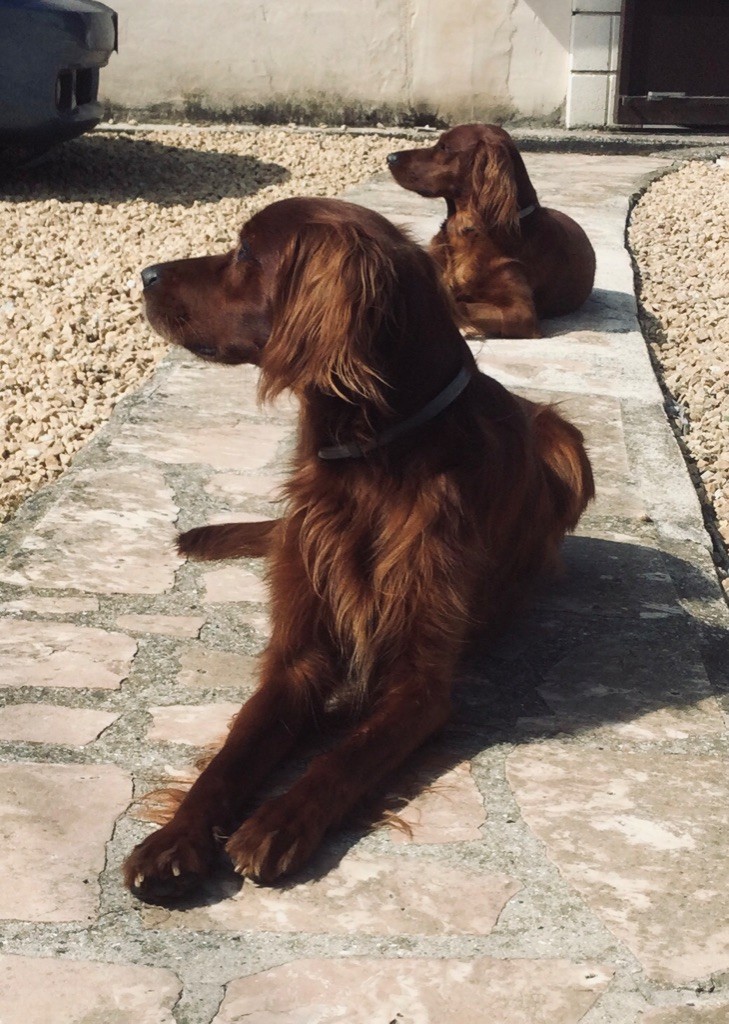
674	63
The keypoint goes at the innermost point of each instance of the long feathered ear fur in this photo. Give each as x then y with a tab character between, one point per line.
336	287
494	192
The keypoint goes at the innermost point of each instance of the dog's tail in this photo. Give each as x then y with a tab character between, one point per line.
561	447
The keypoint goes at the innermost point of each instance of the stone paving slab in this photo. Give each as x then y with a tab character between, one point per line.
39	990
234	584
110	533
241	444
622	825
557	855
54	822
50	605
44	723
689	1013
382	896
239	489
417	991
193	724
624	686
449	810
583	362
202	668
62	654
166	625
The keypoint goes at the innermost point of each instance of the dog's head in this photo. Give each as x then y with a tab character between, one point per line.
221	307
476	168
320	293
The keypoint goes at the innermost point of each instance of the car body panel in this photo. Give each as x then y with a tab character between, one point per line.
50	55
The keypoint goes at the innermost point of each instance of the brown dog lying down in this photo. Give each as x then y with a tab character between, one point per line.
422	500
507	261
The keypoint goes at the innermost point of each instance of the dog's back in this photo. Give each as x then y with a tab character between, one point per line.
559	261
531	485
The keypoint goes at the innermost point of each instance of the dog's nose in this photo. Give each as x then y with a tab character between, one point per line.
150	275
392	158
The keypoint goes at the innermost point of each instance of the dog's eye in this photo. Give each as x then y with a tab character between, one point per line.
244	253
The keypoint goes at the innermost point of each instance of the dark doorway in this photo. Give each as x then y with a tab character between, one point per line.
674	63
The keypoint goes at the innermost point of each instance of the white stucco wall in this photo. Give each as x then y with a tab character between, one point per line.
482	59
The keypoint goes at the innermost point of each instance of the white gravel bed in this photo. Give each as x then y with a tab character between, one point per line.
76	231
679	236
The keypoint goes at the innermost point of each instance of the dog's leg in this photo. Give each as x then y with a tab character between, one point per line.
513	320
499	306
178	856
228	540
283	833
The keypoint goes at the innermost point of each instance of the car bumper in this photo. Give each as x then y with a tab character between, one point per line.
50	55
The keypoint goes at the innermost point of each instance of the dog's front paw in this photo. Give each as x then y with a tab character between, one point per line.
169	863
275	841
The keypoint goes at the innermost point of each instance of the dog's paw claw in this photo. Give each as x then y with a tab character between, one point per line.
273	843
167	865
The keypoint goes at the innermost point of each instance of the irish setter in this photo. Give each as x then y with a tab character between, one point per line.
422	501
507	260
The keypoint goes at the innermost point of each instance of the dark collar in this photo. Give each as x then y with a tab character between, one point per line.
441	401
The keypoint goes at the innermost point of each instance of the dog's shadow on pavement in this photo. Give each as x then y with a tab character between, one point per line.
614	640
106	168
606	311
611	643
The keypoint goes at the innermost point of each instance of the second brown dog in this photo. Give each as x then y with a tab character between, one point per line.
507	260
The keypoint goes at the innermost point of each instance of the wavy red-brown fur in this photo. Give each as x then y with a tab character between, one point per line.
382	566
504	271
227	540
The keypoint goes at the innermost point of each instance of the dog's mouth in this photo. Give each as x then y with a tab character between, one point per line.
203	351
408	180
175	328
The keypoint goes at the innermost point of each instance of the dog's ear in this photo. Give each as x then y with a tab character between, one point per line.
334	297
494	192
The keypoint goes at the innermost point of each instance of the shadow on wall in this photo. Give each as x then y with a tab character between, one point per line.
119	168
556	19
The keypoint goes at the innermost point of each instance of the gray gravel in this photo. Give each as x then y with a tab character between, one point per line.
77	230
679	235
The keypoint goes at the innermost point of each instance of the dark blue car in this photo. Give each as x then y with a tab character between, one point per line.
50	55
